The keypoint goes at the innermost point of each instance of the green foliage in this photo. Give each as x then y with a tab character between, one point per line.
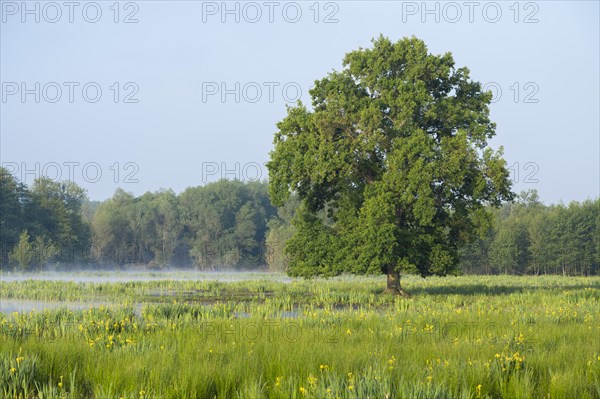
222	224
55	212
226	223
528	237
17	375
22	254
44	250
168	226
280	230
232	224
392	165
111	238
26	255
50	212
12	197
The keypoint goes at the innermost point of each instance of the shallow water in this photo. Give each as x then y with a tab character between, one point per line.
8	306
129	276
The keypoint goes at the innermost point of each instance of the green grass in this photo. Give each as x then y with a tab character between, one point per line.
458	337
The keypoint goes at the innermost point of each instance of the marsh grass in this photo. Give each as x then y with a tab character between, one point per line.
459	337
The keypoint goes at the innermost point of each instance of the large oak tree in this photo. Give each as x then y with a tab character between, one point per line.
391	163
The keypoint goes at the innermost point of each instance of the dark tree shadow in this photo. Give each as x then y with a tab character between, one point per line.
493	289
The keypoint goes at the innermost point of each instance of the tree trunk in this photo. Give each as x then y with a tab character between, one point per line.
393	283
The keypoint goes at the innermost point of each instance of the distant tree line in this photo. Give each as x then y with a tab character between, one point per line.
41	223
529	237
233	225
220	225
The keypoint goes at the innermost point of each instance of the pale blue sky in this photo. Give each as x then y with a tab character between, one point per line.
171	54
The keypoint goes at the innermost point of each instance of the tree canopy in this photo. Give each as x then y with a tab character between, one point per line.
49	213
392	165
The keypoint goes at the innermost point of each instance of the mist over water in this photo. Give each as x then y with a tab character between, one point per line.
136	275
8	306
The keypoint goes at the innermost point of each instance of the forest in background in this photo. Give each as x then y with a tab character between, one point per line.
232	225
